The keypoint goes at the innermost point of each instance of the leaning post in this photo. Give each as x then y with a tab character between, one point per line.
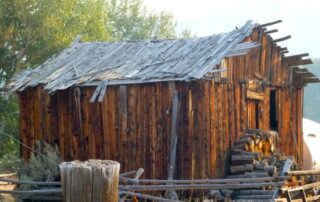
89	181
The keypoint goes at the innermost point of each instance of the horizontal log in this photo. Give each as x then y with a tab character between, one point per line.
257	174
269	169
270	23
239	151
128	180
241	168
303	74
255	197
132	172
33	192
242	159
303	172
271	31
300	62
250	175
41	198
310	80
148	197
255	177
255	192
30	182
199	186
283	49
252	200
306	186
282	39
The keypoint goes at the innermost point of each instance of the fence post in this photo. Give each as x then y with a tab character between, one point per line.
89	181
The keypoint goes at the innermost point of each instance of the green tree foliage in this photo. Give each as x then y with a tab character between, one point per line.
33	30
8	123
130	20
312	94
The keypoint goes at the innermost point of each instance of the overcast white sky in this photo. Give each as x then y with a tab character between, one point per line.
301	19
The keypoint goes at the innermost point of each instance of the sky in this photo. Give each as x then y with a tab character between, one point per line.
207	17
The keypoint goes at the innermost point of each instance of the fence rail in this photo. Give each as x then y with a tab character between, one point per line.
131	185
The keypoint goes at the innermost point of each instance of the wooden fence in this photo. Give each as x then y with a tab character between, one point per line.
131	186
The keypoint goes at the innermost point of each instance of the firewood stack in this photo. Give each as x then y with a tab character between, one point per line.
252	155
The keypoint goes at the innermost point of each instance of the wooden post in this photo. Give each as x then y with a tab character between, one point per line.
92	180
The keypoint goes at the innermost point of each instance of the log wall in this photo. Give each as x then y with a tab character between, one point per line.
132	124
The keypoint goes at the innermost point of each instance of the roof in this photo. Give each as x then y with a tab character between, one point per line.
135	61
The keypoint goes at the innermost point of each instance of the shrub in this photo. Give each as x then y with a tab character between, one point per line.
42	166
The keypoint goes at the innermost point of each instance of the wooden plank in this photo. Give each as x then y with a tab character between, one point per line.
271	23
191	129
282	39
94	124
47	116
153	132
23	123
200	127
86	94
212	139
31	118
147	122
255	95
160	131
61	120
68	143
38	106
54	122
123	126
196	100
300	62
77	136
140	124
207	129
226	134
271	31
220	134
110	127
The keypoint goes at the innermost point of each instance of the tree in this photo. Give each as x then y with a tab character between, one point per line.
34	30
130	20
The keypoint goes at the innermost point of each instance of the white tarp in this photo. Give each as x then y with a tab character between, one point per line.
311	147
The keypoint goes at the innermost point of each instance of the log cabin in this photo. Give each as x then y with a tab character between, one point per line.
131	101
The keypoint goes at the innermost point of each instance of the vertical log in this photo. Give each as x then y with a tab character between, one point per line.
92	180
173	140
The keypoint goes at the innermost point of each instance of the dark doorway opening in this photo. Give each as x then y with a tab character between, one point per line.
273	111
257	113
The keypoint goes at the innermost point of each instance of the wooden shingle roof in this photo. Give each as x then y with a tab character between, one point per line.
135	61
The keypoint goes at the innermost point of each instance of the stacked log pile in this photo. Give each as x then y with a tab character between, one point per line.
254	156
